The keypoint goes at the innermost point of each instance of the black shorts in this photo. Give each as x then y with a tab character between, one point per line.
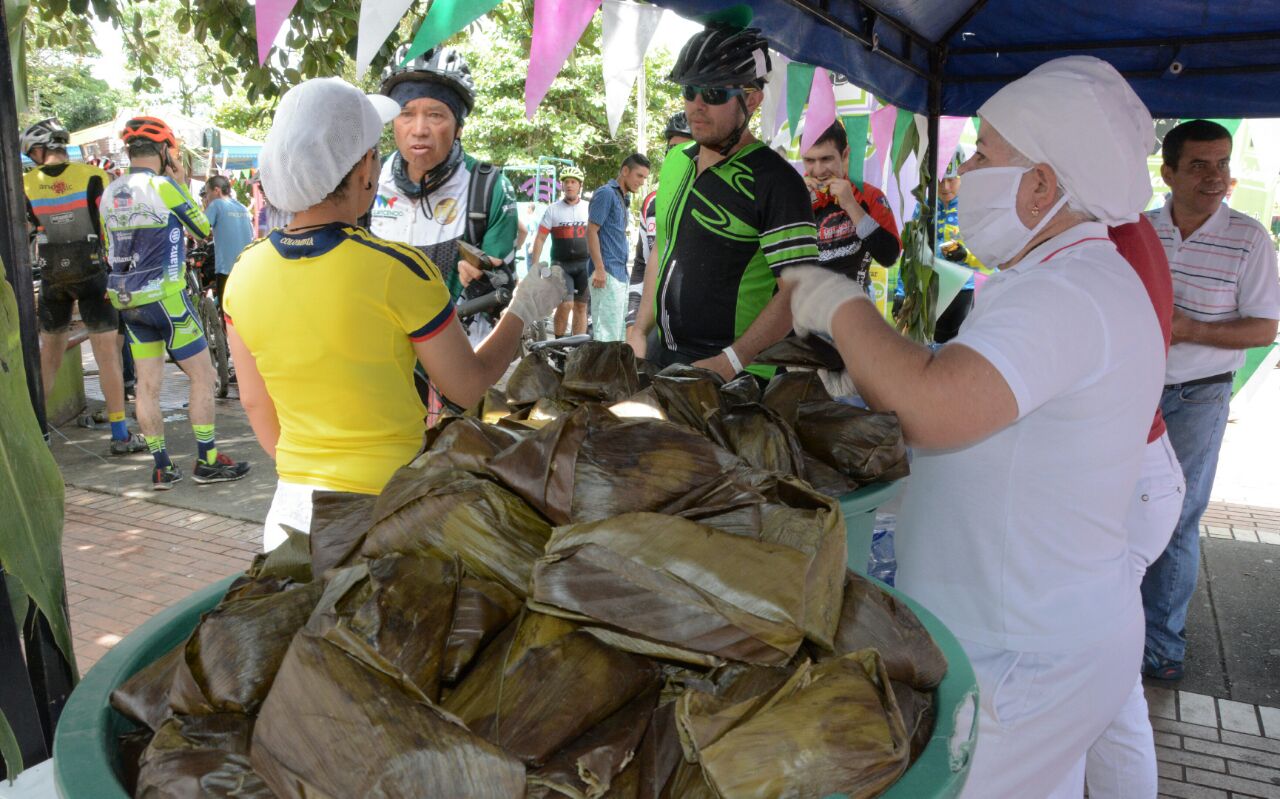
96	310
577	278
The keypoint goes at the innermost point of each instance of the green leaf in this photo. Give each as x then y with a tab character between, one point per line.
152	34
80	7
9	749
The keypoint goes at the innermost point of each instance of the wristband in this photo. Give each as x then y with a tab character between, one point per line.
733	359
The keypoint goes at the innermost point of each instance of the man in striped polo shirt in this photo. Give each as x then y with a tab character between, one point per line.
1226	299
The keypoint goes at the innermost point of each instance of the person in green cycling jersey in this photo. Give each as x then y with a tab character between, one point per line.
732	214
145	215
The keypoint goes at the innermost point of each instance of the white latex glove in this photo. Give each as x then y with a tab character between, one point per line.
537	294
816	293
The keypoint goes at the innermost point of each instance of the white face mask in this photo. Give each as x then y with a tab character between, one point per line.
989	223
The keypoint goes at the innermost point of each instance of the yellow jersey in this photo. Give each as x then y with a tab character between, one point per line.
330	316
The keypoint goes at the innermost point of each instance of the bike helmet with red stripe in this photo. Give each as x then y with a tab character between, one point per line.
150	129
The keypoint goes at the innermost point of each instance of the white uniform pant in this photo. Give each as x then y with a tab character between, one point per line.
1121	764
291	507
1041	711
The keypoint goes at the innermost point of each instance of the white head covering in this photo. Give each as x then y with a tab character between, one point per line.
1079	115
321	129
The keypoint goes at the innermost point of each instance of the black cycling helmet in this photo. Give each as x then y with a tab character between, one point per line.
678	125
443	65
723	57
47	133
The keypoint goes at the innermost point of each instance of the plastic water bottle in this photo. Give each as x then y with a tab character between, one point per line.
883	564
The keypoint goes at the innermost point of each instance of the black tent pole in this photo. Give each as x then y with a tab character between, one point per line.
931	151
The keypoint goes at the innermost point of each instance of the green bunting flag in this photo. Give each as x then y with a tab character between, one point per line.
445	18
799	84
856	127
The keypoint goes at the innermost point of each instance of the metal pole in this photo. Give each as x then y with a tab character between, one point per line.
642	111
14	250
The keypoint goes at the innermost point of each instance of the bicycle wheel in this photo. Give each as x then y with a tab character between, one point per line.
217	339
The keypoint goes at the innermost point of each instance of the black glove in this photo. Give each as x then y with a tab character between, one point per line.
955	253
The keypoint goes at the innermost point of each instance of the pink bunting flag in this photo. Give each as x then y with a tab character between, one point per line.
882	137
557	26
822	109
269	16
949	130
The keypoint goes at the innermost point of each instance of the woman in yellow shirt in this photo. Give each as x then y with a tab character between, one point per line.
325	320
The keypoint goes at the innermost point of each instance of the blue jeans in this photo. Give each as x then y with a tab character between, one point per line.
1197	418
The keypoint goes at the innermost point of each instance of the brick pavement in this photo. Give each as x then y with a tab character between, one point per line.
1241	522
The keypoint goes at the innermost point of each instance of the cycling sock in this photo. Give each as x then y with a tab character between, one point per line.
155	444
119	429
208	450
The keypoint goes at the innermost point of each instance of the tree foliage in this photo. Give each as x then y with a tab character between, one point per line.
59	82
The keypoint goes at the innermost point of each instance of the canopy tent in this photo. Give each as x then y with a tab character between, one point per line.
1185	58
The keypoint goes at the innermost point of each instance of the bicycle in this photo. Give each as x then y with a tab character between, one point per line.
215	331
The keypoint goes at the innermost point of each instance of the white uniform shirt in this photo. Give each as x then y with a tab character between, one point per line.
1226	270
1017	542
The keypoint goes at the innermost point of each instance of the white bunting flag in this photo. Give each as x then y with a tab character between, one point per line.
627	29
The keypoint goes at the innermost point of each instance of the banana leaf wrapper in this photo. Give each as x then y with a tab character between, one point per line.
548	409
659	755
463	443
918	714
339	523
838	730
492	407
393	613
495	534
860	444
688	587
144	697
201	757
786	392
871	617
743	390
761	438
230	661
482	610
587	767
689	782
591	465
643	405
291	560
393	741
543	683
130	747
599	371
703	716
532	379
810	352
825	480
691	396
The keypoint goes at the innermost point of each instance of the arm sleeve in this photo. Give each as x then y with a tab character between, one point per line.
182	205
500	237
418	297
787	233
93	194
1044	337
881	243
1258	289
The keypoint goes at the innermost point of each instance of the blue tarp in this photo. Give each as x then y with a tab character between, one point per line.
73	153
1185	58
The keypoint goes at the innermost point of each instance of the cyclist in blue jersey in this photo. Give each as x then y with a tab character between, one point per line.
145	215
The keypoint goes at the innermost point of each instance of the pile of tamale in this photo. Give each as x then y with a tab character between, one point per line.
606	583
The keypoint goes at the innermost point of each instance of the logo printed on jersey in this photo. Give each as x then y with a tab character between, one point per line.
446	211
174	235
835	227
384	201
60	187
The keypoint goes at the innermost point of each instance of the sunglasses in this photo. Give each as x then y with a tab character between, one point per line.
714	95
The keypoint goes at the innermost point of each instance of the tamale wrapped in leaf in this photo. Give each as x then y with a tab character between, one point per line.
644	405
591	465
691	396
586	768
494	533
810	352
659	754
547	408
704	716
491	407
599	371
339	522
761	438
201	757
787	391
291	560
871	617
393	741
860	444
130	746
918	715
838	731
542	683
229	662
744	390
689	782
681	584
144	697
826	480
463	443
532	379
483	608
393	613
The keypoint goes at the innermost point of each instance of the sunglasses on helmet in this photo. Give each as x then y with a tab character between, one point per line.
714	95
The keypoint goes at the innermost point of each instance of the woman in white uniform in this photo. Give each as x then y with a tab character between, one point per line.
1048	390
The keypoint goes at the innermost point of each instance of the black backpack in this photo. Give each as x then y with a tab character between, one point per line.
479	199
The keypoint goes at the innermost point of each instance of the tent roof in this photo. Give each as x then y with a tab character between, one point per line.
1185	58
